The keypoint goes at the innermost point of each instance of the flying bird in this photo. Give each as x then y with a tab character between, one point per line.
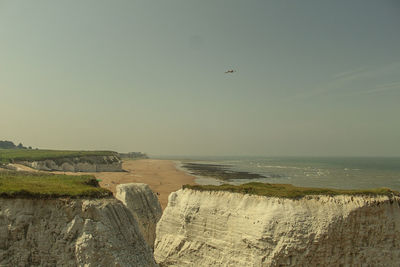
230	71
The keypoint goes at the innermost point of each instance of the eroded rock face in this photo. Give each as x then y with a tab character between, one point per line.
144	205
78	164
70	233
231	229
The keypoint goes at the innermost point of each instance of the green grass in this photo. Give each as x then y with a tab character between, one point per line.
15	155
40	185
287	190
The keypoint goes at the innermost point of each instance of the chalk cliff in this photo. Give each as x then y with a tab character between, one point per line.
62	232
144	205
231	229
78	164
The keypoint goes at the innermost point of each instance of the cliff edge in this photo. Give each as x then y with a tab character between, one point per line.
144	205
70	232
204	228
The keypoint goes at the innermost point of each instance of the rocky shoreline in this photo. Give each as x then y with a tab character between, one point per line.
218	171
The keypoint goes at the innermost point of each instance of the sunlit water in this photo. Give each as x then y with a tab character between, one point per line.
345	173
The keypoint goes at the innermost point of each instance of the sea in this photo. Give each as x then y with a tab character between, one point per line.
331	172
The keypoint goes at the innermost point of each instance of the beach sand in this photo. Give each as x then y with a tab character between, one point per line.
161	175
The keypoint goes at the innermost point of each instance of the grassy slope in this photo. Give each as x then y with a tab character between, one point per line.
11	155
287	190
40	185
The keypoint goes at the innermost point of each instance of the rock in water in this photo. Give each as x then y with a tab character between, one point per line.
144	205
62	232
231	229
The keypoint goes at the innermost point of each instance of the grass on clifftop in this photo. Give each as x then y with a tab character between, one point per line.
15	155
40	185
287	190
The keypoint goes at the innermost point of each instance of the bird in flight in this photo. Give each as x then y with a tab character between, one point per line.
230	71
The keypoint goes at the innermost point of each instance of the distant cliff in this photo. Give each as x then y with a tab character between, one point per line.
134	155
111	163
63	160
203	228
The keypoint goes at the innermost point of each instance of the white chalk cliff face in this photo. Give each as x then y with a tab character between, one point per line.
63	232
144	205
78	164
231	229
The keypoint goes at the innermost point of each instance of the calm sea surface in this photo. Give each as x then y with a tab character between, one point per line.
340	172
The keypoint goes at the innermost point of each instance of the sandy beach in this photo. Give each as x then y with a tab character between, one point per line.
161	175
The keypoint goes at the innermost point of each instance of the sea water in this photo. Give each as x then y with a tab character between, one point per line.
332	172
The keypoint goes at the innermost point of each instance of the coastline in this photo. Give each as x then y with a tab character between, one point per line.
162	176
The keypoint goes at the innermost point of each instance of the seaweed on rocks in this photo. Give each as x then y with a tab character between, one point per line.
222	172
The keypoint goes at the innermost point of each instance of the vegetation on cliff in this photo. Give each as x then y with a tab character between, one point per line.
287	190
15	155
44	185
10	145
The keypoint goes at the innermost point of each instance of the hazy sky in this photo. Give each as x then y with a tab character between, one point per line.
313	77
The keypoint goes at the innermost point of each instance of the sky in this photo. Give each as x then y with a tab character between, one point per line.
313	78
